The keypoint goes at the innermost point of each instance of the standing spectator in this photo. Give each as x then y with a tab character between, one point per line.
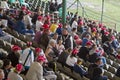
14	75
27	57
36	69
14	56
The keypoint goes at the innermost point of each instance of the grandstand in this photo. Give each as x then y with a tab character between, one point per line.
63	71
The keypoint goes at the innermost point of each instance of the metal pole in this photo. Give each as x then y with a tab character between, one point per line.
77	5
102	11
64	12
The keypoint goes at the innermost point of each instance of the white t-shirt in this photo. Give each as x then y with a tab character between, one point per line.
24	55
74	24
4	5
71	60
39	24
27	20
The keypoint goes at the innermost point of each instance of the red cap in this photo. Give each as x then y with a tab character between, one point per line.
37	50
106	33
28	12
75	51
19	67
46	26
103	28
113	37
29	43
100	25
79	42
81	23
89	43
94	30
39	17
76	37
23	8
60	25
41	58
15	48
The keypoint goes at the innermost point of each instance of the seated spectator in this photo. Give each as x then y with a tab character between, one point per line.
53	27
20	25
5	36
29	32
92	66
27	57
84	51
1	74
28	19
75	24
49	75
36	69
6	67
55	38
14	75
51	51
37	36
60	46
85	39
14	56
39	52
67	39
98	74
63	56
78	68
44	39
71	59
118	72
39	23
4	4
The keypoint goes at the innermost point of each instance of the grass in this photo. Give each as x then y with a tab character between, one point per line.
111	12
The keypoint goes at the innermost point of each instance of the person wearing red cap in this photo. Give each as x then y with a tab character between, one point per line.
72	59
27	57
44	38
39	23
14	75
115	43
40	52
27	18
14	56
36	69
84	51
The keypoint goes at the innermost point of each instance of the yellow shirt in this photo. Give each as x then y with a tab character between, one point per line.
53	28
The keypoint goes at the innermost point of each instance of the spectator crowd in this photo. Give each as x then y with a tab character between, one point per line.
72	44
